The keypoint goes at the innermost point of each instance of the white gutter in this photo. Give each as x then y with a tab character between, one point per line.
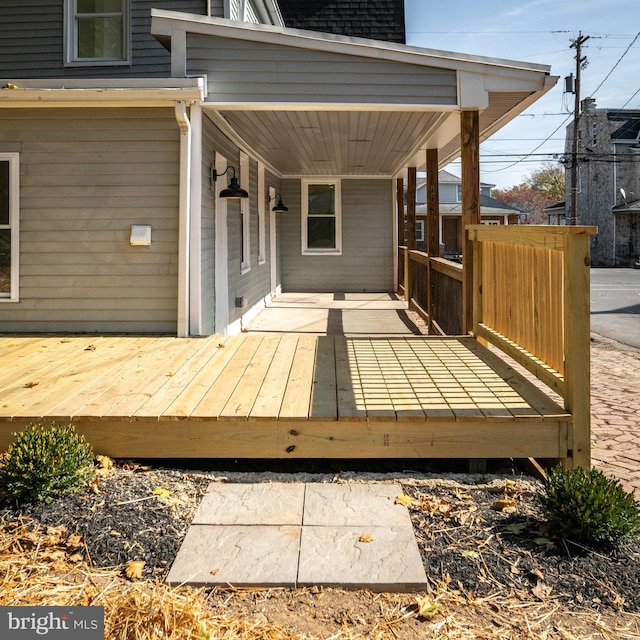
183	218
195	258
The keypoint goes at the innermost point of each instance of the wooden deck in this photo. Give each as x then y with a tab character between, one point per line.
279	396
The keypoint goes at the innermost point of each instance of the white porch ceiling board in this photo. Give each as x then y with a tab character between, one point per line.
332	142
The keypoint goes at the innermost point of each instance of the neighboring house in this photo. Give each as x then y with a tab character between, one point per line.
450	196
120	128
608	181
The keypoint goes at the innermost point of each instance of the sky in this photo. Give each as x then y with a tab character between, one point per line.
541	32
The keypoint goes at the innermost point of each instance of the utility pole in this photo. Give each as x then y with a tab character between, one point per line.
580	62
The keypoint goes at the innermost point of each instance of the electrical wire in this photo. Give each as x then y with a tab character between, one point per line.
593	93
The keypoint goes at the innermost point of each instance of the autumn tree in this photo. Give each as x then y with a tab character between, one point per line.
543	187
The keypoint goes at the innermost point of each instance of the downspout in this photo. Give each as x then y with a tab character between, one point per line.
195	223
183	218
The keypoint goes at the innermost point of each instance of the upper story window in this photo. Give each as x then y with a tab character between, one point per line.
97	32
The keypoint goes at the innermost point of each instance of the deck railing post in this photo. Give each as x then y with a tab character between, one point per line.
577	343
477	281
407	277
470	159
433	230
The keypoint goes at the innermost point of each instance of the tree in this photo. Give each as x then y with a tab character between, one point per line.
543	187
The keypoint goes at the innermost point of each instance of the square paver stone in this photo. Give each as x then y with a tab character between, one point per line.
340	557
259	556
354	505
277	503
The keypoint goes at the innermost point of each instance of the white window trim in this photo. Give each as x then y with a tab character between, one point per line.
305	217
419	230
14	224
262	197
245	266
71	39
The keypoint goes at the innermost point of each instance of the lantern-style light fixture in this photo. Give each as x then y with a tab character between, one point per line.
279	206
233	190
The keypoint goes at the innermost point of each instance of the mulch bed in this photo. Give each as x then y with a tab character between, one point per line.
482	541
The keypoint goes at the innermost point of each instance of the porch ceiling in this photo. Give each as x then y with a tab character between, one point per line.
333	142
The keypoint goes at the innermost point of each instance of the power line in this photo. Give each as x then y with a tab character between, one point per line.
616	64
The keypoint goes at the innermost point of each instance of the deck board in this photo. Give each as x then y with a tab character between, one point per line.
280	395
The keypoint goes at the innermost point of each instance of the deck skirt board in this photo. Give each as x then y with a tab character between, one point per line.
280	396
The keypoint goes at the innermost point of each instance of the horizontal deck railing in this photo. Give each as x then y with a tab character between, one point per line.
531	299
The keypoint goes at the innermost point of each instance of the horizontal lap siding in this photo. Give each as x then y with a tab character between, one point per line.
254	285
240	71
32	42
85	177
366	263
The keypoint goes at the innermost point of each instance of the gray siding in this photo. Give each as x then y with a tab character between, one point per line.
85	177
254	285
240	71
32	35
366	263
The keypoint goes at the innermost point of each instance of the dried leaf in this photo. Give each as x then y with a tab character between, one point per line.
470	554
91	347
427	607
30	385
541	590
165	496
366	537
133	570
508	505
65	340
406	501
510	487
516	528
75	541
104	462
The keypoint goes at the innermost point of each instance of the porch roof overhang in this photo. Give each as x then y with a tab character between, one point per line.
308	103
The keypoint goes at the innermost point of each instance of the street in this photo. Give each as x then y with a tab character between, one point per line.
615	304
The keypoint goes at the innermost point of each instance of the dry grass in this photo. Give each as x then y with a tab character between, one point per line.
43	567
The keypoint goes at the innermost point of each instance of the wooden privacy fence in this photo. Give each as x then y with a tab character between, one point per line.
531	299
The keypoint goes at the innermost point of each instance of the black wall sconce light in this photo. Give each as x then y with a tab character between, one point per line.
233	190
279	206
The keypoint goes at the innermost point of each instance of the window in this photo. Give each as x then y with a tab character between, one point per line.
245	220
321	217
97	32
419	231
458	193
9	202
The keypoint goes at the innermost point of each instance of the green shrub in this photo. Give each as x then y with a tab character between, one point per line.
589	508
45	462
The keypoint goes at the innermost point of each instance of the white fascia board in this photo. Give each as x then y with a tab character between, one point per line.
99	93
326	106
164	23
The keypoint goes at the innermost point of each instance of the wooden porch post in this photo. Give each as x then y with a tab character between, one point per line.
577	343
433	229
411	229
470	156
400	231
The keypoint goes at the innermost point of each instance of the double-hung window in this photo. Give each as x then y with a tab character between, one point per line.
97	32
321	217
9	204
